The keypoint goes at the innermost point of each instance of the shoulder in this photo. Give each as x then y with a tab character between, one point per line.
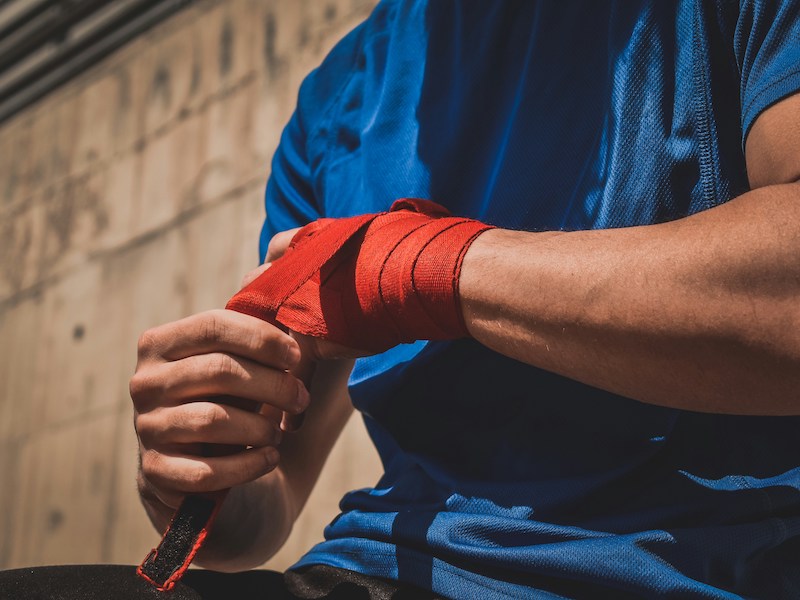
323	87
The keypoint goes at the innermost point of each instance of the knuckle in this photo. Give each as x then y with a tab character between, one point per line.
285	388
151	462
199	478
268	340
147	343
139	385
142	426
222	368
262	337
205	416
210	326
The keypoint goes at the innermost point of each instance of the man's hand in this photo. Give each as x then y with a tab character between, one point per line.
209	385
216	378
275	249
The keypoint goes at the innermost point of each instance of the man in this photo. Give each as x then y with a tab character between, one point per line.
623	421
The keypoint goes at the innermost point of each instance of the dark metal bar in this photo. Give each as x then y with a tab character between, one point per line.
53	25
75	56
26	17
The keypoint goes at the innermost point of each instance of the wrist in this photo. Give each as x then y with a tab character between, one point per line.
369	282
491	272
480	270
419	281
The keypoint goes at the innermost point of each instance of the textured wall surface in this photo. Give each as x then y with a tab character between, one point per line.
130	197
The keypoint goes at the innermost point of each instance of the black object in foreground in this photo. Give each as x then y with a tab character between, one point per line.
166	564
120	582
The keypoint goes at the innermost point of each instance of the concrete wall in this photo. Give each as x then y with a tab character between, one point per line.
131	197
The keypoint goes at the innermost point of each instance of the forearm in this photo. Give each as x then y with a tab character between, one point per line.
700	313
260	515
254	522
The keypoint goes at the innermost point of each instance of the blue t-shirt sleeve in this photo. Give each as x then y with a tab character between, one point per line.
292	196
289	199
767	46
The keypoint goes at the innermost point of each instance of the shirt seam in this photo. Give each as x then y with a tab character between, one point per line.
755	99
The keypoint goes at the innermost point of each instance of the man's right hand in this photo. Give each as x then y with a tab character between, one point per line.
197	381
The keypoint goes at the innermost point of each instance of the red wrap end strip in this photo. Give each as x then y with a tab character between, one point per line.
369	282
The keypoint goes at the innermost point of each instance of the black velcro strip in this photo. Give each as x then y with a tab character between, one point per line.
179	543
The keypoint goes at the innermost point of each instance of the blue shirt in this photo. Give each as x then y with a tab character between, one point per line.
501	478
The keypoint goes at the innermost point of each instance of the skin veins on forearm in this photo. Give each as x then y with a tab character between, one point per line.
702	313
699	314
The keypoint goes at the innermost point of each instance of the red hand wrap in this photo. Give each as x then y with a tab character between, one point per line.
369	282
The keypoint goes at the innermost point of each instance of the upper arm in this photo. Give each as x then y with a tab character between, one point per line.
772	150
766	44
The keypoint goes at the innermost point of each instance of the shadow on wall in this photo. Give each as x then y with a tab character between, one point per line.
129	197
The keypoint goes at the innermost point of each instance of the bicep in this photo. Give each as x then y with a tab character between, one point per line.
772	149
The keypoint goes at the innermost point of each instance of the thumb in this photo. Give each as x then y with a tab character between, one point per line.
254	274
304	371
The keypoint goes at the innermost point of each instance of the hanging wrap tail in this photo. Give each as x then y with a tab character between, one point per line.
367	282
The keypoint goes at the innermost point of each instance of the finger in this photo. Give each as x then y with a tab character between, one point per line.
220	331
175	474
304	371
305	367
308	231
208	423
279	243
272	413
169	498
253	275
241	403
150	493
217	374
291	422
320	349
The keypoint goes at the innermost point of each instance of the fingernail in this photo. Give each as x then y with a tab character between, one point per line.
303	397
